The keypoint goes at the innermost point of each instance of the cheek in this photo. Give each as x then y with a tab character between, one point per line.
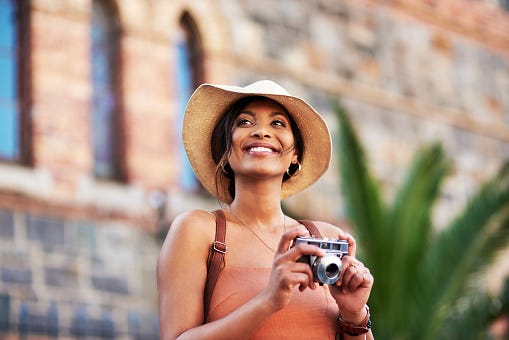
236	137
290	146
288	141
236	141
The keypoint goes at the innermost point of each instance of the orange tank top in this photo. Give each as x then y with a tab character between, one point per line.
311	314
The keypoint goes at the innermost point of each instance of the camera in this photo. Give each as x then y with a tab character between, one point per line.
326	269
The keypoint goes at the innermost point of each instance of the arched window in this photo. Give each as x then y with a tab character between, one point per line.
189	72
106	115
14	81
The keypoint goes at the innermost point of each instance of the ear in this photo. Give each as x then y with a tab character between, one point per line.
295	158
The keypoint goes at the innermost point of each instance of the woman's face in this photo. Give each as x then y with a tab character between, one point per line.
262	140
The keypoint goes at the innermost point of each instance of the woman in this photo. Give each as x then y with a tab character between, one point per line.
251	147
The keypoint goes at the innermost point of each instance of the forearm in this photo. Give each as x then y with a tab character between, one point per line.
240	324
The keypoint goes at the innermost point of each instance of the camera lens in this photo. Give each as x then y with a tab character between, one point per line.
332	270
327	269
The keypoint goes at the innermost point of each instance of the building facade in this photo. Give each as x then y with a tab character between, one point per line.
91	100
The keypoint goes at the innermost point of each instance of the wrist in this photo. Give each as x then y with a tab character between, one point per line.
269	303
355	317
355	328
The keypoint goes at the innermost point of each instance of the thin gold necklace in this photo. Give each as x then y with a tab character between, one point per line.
255	233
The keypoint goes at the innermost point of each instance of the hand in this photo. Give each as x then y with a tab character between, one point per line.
352	290
286	272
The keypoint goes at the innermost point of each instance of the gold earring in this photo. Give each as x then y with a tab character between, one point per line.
296	172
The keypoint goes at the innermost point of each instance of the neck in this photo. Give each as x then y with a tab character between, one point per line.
259	208
258	192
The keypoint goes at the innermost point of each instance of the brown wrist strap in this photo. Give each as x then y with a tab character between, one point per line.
355	329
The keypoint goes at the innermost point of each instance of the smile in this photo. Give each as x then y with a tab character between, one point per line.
261	149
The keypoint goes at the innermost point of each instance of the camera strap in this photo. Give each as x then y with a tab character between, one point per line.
310	226
215	262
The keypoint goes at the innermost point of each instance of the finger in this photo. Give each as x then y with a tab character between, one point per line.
349	272
294	279
356	275
368	279
355	281
346	262
286	240
352	245
300	250
304	281
362	279
301	270
304	268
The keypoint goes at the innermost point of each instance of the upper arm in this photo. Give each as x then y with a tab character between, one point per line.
182	272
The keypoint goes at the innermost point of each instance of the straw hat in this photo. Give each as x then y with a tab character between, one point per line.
209	102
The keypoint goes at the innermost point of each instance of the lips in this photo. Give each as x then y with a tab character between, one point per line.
261	148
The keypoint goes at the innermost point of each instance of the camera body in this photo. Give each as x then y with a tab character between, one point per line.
326	269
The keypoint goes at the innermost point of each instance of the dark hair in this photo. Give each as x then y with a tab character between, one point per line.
221	143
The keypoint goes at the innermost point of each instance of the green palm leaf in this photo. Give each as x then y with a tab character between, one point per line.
471	314
468	245
410	223
363	206
424	281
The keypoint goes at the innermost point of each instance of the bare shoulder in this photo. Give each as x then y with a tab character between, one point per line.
190	233
195	229
193	222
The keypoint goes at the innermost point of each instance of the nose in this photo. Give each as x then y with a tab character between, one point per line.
261	133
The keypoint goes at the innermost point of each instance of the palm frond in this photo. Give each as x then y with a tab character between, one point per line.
469	316
363	205
467	246
423	279
410	226
410	214
362	202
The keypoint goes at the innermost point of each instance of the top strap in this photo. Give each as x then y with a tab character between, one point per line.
216	260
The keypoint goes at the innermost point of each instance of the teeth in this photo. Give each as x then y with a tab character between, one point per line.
260	149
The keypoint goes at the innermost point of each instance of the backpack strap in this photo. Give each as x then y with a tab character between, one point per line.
215	262
311	227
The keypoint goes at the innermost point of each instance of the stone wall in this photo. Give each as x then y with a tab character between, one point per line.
406	77
75	278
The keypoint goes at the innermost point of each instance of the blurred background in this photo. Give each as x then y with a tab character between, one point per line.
92	92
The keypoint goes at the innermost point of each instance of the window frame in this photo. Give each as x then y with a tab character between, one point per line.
118	123
23	84
191	36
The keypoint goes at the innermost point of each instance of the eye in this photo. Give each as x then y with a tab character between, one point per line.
243	122
279	122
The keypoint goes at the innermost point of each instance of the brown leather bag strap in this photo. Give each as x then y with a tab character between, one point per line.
215	261
311	227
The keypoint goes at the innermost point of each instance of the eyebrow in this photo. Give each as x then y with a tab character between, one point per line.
272	114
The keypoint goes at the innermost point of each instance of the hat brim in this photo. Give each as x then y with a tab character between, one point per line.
209	103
